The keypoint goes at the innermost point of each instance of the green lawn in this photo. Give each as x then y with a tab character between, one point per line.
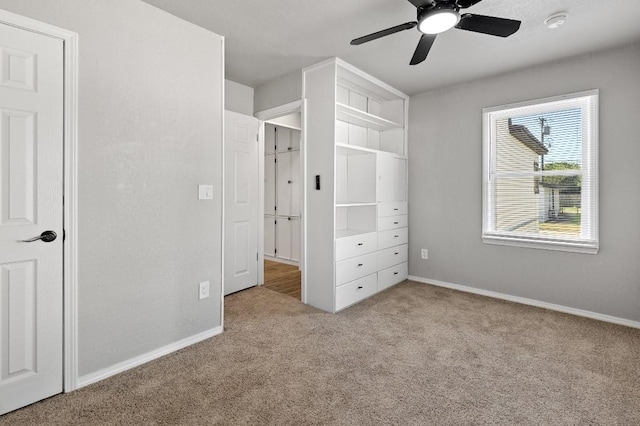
568	223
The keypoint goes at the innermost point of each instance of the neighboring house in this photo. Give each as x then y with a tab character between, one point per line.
518	206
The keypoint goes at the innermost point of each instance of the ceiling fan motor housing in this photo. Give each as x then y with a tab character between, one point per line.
428	14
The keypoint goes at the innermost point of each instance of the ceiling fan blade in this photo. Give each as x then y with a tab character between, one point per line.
491	25
421	3
463	4
423	48
388	31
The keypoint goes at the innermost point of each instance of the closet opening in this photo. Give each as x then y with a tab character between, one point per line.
282	190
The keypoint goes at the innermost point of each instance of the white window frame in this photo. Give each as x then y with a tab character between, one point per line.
588	103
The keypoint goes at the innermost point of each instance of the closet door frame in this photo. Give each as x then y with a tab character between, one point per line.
264	116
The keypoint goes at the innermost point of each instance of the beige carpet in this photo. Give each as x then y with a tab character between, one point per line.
413	355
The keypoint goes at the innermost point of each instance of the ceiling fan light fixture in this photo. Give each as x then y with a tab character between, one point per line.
439	21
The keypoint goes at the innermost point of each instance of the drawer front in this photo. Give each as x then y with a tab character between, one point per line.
394	275
356	245
393	237
357	267
393	208
392	256
392	222
355	291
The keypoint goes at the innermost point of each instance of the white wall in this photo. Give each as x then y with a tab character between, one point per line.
150	131
279	91
238	98
445	175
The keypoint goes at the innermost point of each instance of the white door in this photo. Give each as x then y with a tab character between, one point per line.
296	239
269	139
296	184
270	236
283	238
270	184
31	188
241	202
283	139
284	185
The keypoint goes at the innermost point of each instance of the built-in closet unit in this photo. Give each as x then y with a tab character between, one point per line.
282	194
356	202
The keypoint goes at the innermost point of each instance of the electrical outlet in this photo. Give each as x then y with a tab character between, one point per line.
424	254
203	290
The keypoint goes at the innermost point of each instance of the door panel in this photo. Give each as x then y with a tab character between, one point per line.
269	139
283	139
285	182
296	239
270	184
296	184
241	202
31	185
283	238
270	236
295	139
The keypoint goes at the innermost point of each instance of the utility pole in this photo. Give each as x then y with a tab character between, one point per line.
544	130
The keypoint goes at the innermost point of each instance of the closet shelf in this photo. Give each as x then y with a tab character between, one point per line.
347	149
364	119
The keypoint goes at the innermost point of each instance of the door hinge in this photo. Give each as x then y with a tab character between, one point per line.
275	250
256	257
257	137
64	234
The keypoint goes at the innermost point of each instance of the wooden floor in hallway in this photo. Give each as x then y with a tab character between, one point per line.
283	278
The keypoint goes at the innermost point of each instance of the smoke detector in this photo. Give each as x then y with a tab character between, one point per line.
556	20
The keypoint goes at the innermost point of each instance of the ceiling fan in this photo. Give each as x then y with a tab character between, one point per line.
437	16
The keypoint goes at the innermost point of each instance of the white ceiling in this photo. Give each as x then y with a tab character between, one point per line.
269	38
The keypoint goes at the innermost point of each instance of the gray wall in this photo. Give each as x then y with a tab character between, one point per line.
238	98
279	91
445	175
150	124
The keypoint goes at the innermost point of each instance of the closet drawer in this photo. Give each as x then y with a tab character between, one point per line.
394	275
392	256
393	208
357	267
355	291
356	245
393	237
392	222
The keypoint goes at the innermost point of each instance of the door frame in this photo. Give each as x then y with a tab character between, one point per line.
263	116
70	188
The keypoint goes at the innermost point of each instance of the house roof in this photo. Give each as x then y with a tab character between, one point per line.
523	134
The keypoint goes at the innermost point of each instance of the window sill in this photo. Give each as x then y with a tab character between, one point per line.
575	247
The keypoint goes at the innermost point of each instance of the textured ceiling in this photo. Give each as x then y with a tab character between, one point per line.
265	39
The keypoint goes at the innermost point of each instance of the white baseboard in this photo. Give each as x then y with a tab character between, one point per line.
99	375
530	302
280	260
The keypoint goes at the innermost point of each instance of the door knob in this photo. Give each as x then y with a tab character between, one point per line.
46	236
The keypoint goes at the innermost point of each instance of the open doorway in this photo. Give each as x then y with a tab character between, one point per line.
282	236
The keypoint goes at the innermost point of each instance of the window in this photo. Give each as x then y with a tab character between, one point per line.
540	165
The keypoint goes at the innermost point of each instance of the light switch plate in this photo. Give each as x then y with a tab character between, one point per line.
205	192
